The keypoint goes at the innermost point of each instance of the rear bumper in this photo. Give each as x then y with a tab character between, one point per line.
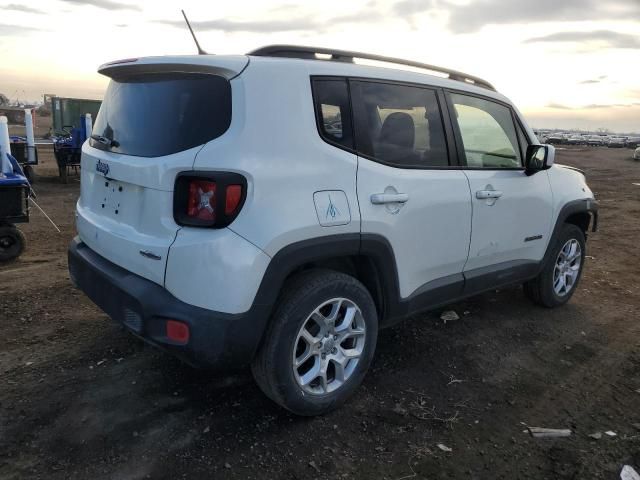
217	340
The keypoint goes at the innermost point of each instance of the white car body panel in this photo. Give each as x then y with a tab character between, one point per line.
503	228
215	269
120	224
430	233
283	170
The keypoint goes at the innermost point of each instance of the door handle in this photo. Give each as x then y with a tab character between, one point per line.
485	194
382	198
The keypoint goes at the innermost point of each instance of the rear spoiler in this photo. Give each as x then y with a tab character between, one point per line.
228	66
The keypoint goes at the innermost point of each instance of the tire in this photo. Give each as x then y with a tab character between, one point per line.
324	292
544	289
12	243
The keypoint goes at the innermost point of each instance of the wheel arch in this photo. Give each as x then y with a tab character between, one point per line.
581	213
368	258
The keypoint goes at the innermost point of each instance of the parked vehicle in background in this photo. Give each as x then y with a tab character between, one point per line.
595	141
230	239
575	140
636	154
632	142
616	142
556	139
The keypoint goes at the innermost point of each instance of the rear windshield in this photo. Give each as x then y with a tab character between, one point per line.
153	115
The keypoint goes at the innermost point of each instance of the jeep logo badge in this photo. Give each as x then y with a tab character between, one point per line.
102	168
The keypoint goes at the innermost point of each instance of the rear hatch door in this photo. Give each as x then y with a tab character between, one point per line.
155	118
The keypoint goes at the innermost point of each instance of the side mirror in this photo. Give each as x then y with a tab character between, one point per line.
539	157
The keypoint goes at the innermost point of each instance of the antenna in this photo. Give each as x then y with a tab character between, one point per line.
200	50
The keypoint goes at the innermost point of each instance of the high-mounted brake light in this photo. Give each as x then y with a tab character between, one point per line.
208	199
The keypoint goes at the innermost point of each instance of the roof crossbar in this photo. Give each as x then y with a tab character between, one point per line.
309	53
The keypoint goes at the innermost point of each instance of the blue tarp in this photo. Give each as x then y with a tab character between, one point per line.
16	177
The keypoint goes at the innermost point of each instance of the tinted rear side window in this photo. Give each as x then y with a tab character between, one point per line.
399	125
153	115
333	111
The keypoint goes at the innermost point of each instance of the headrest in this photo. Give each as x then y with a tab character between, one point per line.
398	129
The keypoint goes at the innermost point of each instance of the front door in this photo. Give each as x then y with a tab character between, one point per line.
512	211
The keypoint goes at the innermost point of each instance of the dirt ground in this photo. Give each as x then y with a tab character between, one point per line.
80	398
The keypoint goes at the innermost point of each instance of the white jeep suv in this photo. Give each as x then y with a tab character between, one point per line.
278	208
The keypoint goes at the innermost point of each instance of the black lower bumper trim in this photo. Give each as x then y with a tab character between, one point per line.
217	340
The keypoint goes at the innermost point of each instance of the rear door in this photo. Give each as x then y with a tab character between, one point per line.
150	127
511	210
407	190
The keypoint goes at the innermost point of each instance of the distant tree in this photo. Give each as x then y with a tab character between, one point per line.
603	130
4	100
43	110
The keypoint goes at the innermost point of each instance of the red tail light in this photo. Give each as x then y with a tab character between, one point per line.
201	203
208	199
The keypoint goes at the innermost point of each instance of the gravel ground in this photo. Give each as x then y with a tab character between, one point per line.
80	398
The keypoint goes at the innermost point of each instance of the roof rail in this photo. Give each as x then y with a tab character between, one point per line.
309	53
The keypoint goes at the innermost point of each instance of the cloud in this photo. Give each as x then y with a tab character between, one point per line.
592	106
21	8
599	39
10	30
593	80
405	8
106	4
461	18
298	23
251	26
473	16
558	106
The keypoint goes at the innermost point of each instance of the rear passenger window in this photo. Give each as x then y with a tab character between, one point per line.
399	125
333	111
488	133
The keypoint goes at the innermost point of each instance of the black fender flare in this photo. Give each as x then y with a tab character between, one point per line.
293	256
585	205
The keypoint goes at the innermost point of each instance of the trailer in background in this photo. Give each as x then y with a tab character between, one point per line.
71	126
66	112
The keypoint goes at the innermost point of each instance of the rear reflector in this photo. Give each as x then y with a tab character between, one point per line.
232	199
177	331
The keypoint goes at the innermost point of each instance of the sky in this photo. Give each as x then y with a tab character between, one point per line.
564	63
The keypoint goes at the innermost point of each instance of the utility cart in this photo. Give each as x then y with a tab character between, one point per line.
14	208
26	155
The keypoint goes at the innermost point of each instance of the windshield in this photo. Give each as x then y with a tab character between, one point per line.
153	115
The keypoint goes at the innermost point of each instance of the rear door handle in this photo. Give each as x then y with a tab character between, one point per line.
484	194
382	198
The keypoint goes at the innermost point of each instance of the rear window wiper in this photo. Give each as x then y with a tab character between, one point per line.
108	142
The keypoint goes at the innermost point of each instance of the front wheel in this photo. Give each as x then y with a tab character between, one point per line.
320	343
560	275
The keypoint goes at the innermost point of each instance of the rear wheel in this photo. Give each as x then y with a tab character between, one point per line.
12	243
560	276
319	344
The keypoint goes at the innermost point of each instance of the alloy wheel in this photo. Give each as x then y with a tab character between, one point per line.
567	268
328	346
